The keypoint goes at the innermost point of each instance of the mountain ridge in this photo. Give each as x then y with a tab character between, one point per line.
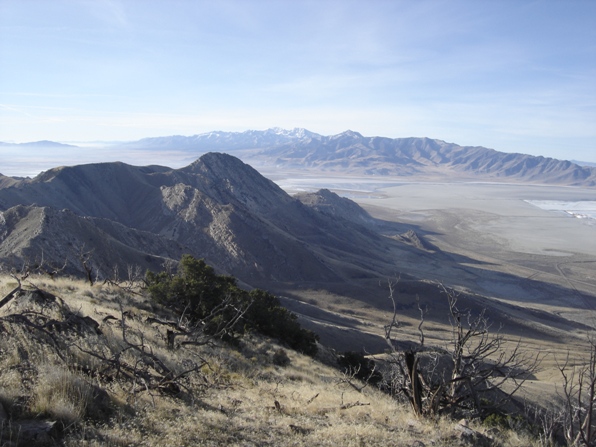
352	153
41	143
217	208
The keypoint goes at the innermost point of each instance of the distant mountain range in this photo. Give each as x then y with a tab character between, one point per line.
350	152
42	143
584	163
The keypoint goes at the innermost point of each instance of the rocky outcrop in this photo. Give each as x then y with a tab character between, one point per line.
60	239
331	204
217	208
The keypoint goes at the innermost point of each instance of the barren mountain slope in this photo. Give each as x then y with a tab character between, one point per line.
218	208
60	239
351	152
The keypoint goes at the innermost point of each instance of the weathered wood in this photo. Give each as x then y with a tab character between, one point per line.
10	296
3	414
353	404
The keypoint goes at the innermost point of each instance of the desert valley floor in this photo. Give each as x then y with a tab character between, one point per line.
534	269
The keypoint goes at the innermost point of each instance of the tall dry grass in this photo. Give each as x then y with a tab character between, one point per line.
241	396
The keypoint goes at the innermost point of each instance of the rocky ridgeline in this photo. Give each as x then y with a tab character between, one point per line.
108	215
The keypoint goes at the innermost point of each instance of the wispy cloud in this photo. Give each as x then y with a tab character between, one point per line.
500	74
111	12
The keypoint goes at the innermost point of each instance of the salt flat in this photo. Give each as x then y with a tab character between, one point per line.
497	211
502	212
494	224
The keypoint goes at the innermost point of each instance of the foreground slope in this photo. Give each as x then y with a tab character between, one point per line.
90	378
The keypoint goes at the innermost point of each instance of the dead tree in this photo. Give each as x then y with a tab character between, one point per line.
579	400
19	275
405	378
131	283
85	257
195	332
49	269
481	364
39	266
468	377
136	362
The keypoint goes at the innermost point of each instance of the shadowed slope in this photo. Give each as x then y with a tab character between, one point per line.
218	208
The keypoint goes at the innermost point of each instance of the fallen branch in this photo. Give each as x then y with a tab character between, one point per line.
353	404
10	296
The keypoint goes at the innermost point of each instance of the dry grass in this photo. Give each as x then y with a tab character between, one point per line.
240	397
61	395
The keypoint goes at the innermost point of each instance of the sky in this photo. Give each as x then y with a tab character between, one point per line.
515	76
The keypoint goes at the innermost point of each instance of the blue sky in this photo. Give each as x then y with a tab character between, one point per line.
516	76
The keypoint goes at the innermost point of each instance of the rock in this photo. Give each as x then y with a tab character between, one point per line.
300	430
469	437
32	432
413	423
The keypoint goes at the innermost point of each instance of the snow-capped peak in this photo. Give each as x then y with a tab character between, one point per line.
296	132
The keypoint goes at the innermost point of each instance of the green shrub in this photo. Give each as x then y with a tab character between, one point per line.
507	421
266	316
214	301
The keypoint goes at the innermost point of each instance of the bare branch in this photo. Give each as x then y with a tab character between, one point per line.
469	375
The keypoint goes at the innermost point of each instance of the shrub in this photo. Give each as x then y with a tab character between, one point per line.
215	300
266	316
280	358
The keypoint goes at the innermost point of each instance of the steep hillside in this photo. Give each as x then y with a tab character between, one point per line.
90	366
218	208
333	205
62	240
6	181
350	152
